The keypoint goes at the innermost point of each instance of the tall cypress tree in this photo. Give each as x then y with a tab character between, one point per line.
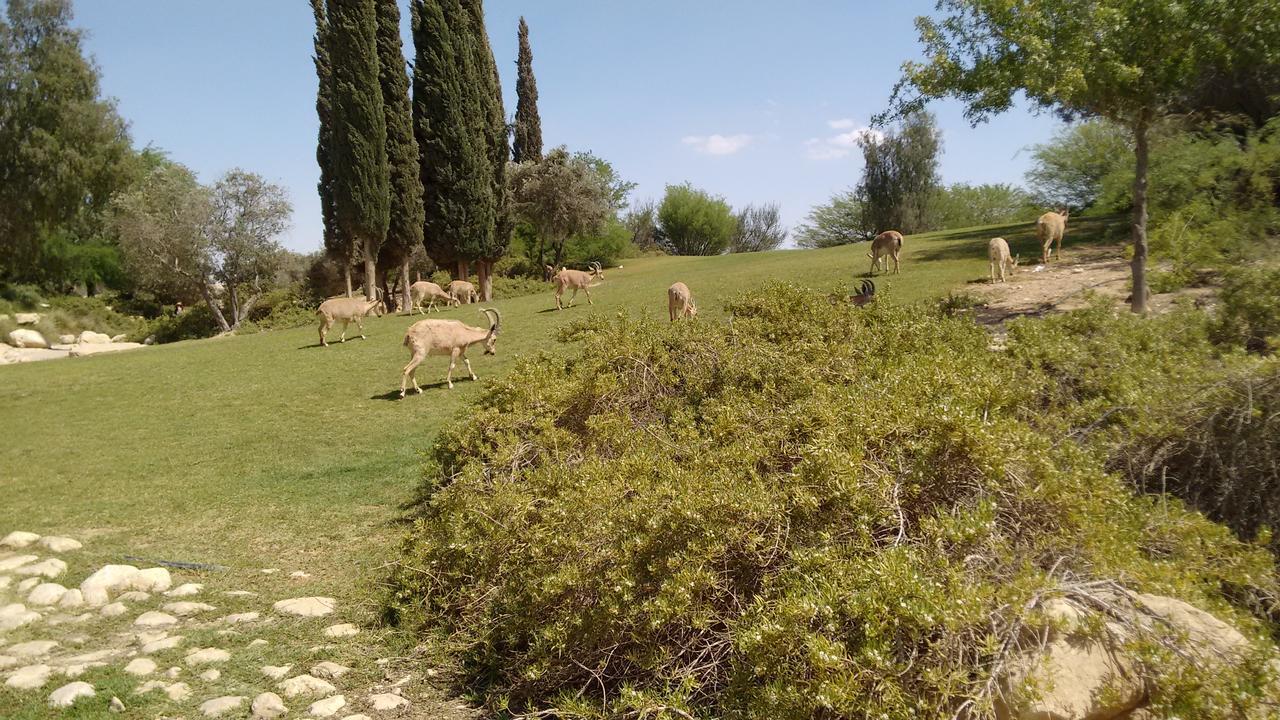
493	133
359	132
404	229
336	245
527	144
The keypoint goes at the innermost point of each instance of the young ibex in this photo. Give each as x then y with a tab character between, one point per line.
680	302
347	310
578	280
432	292
1050	228
447	337
998	254
463	292
885	245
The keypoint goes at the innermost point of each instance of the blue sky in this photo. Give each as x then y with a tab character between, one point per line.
755	101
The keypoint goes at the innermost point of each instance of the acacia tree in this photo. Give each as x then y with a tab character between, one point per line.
839	221
1132	62
358	141
527	136
560	196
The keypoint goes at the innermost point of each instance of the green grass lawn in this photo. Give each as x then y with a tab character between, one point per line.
268	451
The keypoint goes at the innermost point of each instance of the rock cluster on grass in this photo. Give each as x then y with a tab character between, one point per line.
29	345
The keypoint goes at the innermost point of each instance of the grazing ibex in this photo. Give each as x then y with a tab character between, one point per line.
347	310
430	291
998	254
885	245
463	292
1050	228
680	302
447	337
866	294
578	280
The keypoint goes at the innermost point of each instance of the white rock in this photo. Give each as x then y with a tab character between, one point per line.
107	579
219	706
161	645
205	656
134	596
7	661
67	339
67	695
26	318
10	564
156	579
4	581
328	706
275	672
87	349
140	666
75	671
268	706
119	338
150	685
173	672
307	606
24	338
29	677
305	685
238	618
59	544
299	575
19	539
270	571
94	656
32	649
186	590
329	670
114	609
178	692
185	608
51	568
211	675
46	594
257	642
72	598
89	337
26	585
240	593
387	701
341	630
151	618
116	705
358	716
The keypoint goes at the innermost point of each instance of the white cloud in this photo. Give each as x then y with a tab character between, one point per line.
841	124
717	144
839	145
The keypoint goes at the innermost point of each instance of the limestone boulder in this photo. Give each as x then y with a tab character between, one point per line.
66	339
96	349
152	580
66	696
29	677
46	594
26	318
222	705
14	562
25	338
15	615
18	539
105	580
268	706
59	544
50	568
307	606
89	337
119	338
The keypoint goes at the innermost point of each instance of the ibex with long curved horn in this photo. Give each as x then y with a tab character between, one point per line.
447	337
577	280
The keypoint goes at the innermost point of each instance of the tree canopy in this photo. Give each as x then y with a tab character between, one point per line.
560	196
900	177
527	136
695	222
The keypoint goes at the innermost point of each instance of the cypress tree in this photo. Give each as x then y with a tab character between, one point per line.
336	245
359	132
493	131
527	143
404	229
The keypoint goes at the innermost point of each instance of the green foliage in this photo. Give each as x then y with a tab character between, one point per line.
962	205
695	222
813	511
405	211
193	324
560	196
608	245
336	245
840	221
617	188
759	228
1249	309
25	297
900	177
526	142
1068	171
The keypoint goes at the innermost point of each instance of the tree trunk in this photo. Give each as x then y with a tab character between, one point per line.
1139	264
235	305
464	270
207	294
405	294
485	269
559	255
370	273
346	274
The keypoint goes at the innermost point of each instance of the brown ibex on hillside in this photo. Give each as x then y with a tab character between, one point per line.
347	310
577	280
1050	228
885	245
447	337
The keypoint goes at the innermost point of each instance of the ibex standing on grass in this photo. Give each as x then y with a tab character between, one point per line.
998	254
578	280
885	245
680	302
463	292
447	337
1050	228
431	292
347	310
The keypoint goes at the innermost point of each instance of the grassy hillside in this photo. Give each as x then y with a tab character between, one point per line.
270	451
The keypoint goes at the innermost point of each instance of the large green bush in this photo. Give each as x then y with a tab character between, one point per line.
1250	309
814	511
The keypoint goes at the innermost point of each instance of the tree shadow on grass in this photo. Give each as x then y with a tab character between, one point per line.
972	244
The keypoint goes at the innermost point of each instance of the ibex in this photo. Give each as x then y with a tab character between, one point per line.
346	309
463	292
1050	228
430	291
998	254
447	337
885	245
680	302
578	280
866	294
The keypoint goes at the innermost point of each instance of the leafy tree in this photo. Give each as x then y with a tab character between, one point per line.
759	228
181	239
619	189
840	221
405	212
963	205
642	222
64	152
607	244
527	141
1128	61
336	245
1068	171
901	175
561	196
358	141
695	222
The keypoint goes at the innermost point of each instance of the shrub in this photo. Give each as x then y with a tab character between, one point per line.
24	297
194	323
813	511
1249	315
